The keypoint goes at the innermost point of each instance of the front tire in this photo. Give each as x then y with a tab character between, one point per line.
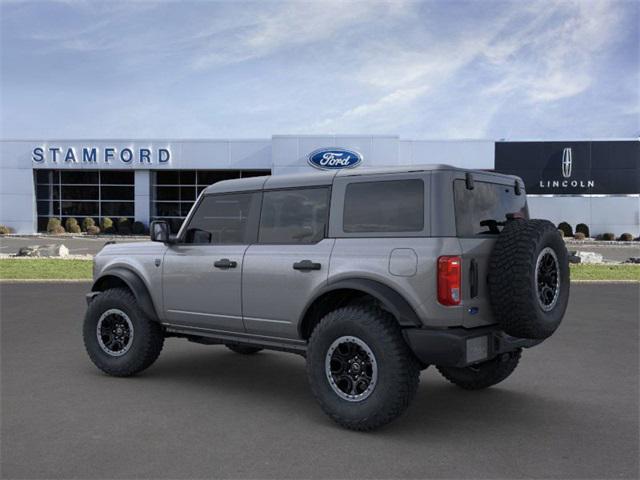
360	369
119	338
485	374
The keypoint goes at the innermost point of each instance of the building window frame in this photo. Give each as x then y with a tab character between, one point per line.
55	196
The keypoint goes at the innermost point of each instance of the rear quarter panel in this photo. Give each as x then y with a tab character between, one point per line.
376	259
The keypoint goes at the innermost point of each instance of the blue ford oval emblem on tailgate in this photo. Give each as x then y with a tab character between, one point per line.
334	158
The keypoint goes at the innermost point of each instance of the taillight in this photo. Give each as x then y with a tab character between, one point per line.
449	280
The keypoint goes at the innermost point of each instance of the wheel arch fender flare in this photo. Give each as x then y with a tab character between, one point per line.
133	281
390	299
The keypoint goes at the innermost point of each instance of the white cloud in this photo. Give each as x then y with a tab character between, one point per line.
553	57
285	25
381	108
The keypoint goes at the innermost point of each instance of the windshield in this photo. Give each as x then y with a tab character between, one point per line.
483	210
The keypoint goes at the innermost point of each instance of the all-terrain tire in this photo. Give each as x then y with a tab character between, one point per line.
243	349
398	370
146	342
517	300
484	374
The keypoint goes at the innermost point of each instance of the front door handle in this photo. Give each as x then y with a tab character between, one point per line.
225	263
306	265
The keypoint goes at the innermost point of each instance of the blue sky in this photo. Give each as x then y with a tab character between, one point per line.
423	70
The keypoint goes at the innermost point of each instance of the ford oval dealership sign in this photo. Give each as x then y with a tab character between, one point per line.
334	158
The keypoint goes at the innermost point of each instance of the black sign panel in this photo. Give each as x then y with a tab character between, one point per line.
598	167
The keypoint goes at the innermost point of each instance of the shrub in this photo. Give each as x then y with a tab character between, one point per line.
561	233
566	228
138	228
53	224
583	228
93	230
71	225
579	236
107	225
57	230
88	222
626	237
124	226
4	230
608	236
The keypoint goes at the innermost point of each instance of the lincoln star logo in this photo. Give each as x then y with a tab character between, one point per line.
334	158
567	168
567	160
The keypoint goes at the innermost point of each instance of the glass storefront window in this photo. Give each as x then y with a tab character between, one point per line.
117	178
80	194
71	177
116	193
99	194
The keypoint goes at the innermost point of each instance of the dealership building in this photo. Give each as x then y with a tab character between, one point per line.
596	182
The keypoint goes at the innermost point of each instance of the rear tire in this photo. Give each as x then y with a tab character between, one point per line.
243	349
119	338
485	374
387	374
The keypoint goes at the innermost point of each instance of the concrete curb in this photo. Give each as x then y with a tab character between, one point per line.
45	280
605	281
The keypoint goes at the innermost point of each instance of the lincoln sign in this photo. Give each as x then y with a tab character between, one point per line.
574	168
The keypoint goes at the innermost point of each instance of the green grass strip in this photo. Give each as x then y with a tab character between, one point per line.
605	272
44	269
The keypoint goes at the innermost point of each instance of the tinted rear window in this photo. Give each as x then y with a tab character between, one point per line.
294	216
488	203
385	206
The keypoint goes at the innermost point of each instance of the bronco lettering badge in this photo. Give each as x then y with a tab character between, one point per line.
334	158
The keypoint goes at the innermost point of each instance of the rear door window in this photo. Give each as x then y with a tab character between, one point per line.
294	216
384	206
483	210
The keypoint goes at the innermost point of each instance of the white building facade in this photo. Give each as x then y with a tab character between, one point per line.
143	180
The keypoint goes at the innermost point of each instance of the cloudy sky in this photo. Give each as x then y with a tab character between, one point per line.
424	70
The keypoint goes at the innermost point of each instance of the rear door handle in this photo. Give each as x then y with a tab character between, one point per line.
306	265
225	263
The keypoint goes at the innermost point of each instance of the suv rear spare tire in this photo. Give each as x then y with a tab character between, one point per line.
529	278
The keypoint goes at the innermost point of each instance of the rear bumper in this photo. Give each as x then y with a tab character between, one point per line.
460	347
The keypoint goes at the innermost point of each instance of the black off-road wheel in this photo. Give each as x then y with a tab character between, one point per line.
485	374
119	338
529	279
360	369
243	349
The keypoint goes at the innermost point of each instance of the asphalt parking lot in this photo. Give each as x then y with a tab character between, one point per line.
569	411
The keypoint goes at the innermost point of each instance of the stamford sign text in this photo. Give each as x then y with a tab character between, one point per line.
108	155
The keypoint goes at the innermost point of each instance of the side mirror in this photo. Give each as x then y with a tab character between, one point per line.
159	231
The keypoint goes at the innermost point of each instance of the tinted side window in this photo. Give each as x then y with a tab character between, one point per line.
221	219
385	206
487	203
294	216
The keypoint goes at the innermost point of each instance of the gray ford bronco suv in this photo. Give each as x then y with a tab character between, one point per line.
372	275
